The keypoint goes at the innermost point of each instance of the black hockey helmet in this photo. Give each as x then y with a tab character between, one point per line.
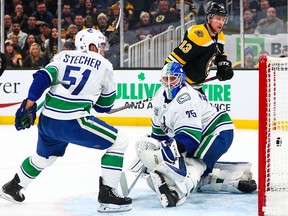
216	9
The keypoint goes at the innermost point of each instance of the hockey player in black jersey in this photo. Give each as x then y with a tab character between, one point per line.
203	46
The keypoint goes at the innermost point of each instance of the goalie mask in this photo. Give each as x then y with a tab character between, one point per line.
89	36
172	79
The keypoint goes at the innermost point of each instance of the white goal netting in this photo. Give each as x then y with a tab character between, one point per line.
273	126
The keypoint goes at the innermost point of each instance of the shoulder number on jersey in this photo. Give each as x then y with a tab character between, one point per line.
185	46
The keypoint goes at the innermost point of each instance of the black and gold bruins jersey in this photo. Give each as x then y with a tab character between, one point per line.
198	52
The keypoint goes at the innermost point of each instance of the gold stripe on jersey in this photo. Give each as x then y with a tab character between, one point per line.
189	81
175	58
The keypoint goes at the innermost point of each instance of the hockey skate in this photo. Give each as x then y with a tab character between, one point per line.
11	191
110	201
166	197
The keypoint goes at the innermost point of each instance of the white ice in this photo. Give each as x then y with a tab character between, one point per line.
70	186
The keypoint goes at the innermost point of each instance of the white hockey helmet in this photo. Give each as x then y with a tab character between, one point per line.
89	36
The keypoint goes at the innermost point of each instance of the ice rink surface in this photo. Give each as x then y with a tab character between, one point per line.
70	186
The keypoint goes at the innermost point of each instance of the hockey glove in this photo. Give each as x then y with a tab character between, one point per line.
169	150
224	70
3	63
25	118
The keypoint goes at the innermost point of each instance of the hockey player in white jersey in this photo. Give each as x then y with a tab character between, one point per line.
188	136
78	82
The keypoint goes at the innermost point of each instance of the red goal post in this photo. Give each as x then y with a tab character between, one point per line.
273	136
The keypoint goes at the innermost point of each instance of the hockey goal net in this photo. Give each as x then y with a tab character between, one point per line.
273	136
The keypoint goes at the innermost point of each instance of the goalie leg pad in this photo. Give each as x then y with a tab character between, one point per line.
166	197
233	177
181	179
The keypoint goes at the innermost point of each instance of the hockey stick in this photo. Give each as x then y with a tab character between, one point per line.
139	102
149	99
116	27
123	182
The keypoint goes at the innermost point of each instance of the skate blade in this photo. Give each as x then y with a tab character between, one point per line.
7	197
157	184
105	207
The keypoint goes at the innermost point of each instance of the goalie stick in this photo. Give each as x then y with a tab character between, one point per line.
149	99
124	185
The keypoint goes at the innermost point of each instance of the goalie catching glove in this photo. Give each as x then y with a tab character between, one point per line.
224	70
25	118
152	152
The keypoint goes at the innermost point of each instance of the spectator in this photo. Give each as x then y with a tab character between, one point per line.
79	7
14	59
164	16
129	12
7	24
71	33
249	61
51	46
284	53
31	38
144	27
54	22
69	45
20	16
10	6
79	22
31	27
66	12
249	22
16	29
35	59
16	44
262	13
114	14
67	21
103	25
42	14
190	10
271	24
89	14
139	6
44	34
261	54
107	30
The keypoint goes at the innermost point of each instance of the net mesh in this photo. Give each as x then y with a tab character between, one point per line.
276	183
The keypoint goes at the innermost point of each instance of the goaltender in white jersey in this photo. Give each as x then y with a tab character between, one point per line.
188	136
77	81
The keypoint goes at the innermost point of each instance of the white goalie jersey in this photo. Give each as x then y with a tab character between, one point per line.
189	111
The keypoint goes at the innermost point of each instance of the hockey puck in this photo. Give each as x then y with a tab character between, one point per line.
278	141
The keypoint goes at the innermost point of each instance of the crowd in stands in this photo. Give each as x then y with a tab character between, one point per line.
31	27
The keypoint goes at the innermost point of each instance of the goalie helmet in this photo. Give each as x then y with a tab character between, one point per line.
216	9
89	36
172	79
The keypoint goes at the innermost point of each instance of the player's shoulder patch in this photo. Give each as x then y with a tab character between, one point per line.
182	98
199	35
